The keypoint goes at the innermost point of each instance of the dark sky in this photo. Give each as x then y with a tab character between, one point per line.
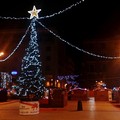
92	19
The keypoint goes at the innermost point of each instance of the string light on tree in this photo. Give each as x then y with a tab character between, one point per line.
31	82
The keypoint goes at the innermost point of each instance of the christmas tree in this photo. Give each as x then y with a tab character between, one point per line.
31	82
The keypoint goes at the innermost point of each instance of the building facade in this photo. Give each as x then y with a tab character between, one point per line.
94	68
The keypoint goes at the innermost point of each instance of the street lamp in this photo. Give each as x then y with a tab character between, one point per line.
1	53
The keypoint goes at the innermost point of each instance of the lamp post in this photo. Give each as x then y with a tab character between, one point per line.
1	54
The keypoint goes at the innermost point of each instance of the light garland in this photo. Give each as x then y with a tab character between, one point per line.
16	46
47	16
34	13
62	11
82	50
67	77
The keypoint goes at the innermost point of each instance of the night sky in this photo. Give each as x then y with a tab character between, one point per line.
92	19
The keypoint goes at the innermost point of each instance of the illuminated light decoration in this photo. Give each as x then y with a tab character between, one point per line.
71	82
5	79
58	85
47	16
14	18
34	12
16	46
31	82
62	11
47	83
82	50
14	73
67	77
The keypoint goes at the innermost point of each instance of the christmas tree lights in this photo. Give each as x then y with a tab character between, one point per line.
31	82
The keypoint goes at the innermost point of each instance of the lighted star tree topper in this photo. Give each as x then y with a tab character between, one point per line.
31	82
